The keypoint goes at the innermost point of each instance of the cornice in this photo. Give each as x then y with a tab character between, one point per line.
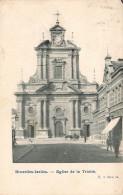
119	69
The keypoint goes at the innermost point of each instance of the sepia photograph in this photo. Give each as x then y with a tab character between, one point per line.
61	116
61	96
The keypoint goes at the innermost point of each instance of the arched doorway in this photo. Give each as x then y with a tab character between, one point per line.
59	129
31	131
87	130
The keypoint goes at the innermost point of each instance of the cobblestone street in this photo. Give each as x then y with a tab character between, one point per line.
64	153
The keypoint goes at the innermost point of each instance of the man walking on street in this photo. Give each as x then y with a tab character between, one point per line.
109	142
116	145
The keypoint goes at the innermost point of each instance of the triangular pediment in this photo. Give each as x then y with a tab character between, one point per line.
57	28
60	88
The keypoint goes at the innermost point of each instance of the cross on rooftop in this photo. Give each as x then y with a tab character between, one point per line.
57	15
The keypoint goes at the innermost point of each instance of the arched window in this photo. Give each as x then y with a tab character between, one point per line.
30	110
86	109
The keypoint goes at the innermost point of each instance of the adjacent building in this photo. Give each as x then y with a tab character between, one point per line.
110	100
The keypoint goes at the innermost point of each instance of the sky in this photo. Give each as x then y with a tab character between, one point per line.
97	25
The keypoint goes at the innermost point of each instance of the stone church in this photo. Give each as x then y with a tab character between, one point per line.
57	100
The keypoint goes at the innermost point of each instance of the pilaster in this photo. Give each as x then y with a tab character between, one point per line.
20	126
45	65
45	114
39	58
39	114
72	114
74	67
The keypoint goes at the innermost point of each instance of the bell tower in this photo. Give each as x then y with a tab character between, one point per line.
108	68
57	34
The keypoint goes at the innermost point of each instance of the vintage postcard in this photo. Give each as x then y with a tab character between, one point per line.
61	97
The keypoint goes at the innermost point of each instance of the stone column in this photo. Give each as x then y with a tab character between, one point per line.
42	71
77	66
72	114
19	132
20	116
77	112
39	115
39	65
44	65
74	66
45	114
54	127
71	64
72	74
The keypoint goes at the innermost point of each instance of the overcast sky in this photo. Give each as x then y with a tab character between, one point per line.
96	24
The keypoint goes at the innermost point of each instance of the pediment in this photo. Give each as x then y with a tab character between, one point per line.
60	88
57	28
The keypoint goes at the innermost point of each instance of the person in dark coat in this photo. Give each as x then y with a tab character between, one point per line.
85	137
116	145
109	143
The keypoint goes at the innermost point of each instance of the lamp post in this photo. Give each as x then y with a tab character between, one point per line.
16	117
13	130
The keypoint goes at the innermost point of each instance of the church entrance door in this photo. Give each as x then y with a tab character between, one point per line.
59	129
87	130
31	131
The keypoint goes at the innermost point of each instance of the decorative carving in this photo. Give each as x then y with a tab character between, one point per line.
31	110
33	79
44	53
83	79
73	53
59	111
70	53
76	53
40	53
58	39
59	86
59	60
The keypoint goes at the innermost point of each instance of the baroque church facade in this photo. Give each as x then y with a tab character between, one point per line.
57	100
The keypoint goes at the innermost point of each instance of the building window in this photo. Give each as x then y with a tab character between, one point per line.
59	112
30	110
58	72
86	109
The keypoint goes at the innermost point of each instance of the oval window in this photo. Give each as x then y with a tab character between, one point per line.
59	111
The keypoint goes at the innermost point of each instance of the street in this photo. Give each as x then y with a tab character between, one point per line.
64	153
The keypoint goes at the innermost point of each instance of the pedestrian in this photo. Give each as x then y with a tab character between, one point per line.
85	138
116	145
109	143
